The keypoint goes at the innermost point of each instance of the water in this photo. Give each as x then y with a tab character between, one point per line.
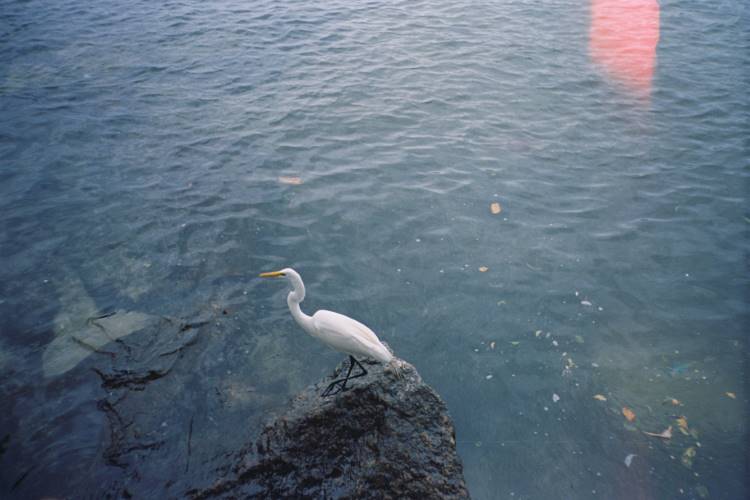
141	153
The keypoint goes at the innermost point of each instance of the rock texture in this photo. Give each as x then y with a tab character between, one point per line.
388	436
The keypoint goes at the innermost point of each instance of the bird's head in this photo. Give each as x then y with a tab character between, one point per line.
277	274
292	276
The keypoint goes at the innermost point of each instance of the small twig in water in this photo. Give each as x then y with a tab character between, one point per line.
20	479
189	441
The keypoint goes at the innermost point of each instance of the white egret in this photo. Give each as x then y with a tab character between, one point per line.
333	329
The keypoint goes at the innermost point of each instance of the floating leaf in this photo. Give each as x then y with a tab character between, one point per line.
483	269
294	181
579	339
665	434
628	414
599	397
515	343
731	395
682	424
702	491
687	457
537	333
629	459
495	208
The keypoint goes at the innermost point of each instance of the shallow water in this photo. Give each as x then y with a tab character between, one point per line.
142	150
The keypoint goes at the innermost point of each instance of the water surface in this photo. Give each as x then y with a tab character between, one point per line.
141	153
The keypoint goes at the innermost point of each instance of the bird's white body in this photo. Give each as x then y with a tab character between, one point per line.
340	332
348	336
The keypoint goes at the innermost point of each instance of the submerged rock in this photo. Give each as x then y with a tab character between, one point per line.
91	335
388	436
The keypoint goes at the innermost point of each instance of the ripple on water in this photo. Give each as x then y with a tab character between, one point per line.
143	149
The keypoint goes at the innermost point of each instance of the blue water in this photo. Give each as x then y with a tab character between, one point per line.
141	148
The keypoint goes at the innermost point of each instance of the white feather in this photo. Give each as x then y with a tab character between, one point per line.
349	336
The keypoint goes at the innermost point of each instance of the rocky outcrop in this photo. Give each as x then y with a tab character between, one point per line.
388	436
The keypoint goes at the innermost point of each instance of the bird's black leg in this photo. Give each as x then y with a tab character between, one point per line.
329	390
349	376
360	374
352	361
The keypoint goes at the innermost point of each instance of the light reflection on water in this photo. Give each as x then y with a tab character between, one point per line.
143	150
623	39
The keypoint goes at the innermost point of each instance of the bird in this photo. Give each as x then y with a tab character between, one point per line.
340	332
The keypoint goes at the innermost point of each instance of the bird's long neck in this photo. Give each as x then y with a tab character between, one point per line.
293	300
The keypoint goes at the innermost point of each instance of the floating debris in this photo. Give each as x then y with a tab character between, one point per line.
628	414
579	339
495	208
629	459
488	377
679	369
665	434
586	303
537	333
515	343
492	345
672	401
294	181
555	398
731	395
599	397
483	269
687	457
682	424
702	491
569	365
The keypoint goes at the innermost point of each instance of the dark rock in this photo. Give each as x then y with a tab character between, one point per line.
388	436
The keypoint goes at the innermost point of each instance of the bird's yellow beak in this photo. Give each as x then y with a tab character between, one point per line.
274	274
